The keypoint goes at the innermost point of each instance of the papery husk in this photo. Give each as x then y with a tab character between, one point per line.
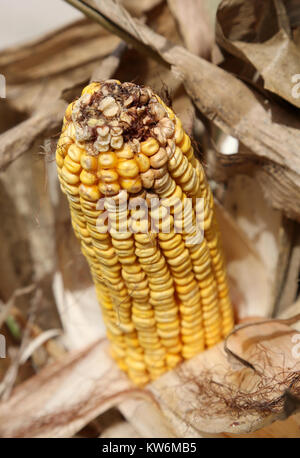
122	429
194	26
207	395
259	33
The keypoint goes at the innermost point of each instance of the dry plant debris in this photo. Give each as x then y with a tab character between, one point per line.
230	89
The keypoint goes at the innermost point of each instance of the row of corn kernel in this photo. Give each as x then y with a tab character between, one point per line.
202	190
164	304
123	243
160	282
185	174
177	256
149	335
83	207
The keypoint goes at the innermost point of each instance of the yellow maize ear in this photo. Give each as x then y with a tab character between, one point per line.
143	212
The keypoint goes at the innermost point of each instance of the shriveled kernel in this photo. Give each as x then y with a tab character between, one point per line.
147	179
107	160
103	131
117	142
159	159
157	110
168	109
108	175
102	144
125	118
115	130
160	172
109	107
167	127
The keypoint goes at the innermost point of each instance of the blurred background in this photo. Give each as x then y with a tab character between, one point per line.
25	21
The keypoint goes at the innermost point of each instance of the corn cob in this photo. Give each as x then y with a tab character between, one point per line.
161	285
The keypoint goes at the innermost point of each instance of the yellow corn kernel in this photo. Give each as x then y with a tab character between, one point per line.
74	152
150	146
89	162
128	168
109	189
89	192
143	162
88	178
132	185
108	175
71	165
107	160
91	88
125	153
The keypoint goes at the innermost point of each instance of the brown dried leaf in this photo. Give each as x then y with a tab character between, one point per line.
64	396
194	26
146	417
120	429
259	33
70	47
245	268
140	7
290	285
206	394
20	138
272	236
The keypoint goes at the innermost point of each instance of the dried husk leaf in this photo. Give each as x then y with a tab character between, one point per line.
245	268
54	55
290	287
122	429
207	394
21	138
259	33
62	398
140	7
194	26
272	235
